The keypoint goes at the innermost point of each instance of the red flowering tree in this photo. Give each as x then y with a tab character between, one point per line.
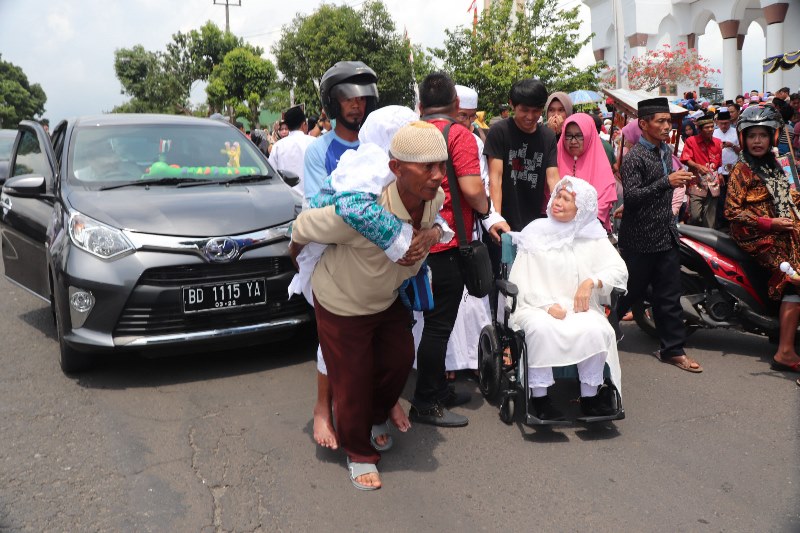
665	66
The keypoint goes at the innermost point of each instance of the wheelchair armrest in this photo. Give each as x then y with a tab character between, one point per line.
507	288
616	294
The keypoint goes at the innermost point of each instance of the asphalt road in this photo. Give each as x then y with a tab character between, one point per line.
222	442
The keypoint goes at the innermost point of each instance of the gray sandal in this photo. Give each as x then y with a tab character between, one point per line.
378	430
359	469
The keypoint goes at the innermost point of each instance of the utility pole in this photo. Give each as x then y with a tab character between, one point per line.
227	4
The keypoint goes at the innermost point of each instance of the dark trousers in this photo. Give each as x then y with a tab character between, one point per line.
369	359
447	286
662	270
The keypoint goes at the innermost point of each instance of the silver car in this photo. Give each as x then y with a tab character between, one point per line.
150	232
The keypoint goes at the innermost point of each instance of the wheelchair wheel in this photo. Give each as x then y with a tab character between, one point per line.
489	363
507	407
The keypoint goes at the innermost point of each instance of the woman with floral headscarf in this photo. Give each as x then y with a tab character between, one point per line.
565	267
581	154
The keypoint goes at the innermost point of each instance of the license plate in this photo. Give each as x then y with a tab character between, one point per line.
216	296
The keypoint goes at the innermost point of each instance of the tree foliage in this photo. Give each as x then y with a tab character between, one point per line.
311	44
19	99
161	81
665	66
241	83
541	40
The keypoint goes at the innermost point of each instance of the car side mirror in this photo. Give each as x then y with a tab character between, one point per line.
26	186
290	178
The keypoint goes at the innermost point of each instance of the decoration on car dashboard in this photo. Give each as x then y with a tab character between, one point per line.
161	169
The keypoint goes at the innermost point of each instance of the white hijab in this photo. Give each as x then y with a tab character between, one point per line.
367	168
548	233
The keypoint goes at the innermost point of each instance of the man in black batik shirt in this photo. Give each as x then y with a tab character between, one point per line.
648	238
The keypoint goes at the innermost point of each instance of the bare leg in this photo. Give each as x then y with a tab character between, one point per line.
324	434
789	315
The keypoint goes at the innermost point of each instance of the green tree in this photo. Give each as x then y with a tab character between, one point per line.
19	100
145	78
311	44
162	81
241	83
540	40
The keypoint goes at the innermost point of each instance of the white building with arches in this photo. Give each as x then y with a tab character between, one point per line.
648	24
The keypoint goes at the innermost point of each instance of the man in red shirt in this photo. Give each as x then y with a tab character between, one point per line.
702	153
439	105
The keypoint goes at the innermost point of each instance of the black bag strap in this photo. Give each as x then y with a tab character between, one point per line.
455	193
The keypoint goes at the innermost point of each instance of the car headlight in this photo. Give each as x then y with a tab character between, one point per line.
97	238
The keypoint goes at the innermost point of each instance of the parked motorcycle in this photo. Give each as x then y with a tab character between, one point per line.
723	287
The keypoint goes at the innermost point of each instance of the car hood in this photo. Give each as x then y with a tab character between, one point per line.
203	211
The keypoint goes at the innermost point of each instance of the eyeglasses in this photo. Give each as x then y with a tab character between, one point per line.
464	116
577	138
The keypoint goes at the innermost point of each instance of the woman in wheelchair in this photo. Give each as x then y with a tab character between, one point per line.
564	267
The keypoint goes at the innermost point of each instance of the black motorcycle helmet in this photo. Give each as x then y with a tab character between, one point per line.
348	79
766	117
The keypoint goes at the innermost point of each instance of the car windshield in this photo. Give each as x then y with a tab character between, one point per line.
103	156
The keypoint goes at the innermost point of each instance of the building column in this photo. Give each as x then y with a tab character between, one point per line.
775	15
731	59
739	44
638	44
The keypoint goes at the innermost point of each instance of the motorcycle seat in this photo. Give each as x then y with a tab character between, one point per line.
721	242
725	245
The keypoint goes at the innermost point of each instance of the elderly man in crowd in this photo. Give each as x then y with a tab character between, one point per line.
703	155
364	329
648	237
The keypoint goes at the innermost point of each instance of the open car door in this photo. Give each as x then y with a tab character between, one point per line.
26	209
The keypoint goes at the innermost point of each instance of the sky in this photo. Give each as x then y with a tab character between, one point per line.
67	46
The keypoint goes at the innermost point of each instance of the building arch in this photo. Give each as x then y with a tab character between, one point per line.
701	20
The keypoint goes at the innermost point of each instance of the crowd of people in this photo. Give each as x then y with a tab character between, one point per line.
385	191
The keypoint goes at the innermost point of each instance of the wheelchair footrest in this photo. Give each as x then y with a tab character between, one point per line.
533	421
620	415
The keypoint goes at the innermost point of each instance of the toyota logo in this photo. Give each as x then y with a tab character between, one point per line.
221	250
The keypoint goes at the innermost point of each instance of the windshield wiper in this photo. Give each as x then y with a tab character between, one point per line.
236	179
144	183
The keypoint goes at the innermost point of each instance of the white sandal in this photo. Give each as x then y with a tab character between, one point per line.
360	469
378	430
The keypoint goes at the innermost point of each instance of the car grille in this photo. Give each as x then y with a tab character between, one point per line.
155	305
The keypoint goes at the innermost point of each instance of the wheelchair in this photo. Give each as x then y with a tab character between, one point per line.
503	357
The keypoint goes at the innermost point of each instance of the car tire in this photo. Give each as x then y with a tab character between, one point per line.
71	360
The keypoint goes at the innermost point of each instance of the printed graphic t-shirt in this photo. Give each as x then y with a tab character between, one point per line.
525	157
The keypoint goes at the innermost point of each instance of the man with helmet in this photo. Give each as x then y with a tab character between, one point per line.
763	213
349	92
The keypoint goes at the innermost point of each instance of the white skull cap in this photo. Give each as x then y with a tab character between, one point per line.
467	96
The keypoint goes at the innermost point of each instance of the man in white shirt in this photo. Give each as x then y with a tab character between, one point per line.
289	153
730	155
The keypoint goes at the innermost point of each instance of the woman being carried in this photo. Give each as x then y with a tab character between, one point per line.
763	214
564	266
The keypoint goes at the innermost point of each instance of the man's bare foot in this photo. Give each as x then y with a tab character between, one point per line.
399	418
373	479
324	434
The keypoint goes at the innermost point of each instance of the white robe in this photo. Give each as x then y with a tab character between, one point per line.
552	276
